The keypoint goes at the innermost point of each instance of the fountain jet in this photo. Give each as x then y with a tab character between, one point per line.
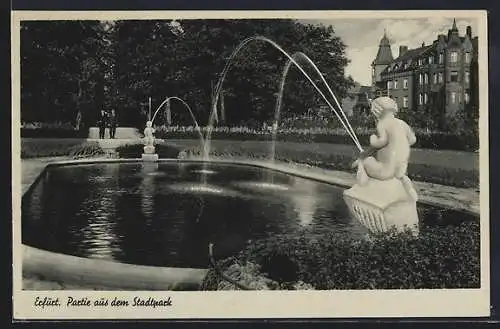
197	127
292	60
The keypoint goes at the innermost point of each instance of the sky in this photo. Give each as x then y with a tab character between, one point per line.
362	37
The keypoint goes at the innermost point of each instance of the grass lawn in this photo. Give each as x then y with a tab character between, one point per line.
453	168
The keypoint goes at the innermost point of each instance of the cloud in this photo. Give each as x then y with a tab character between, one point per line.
362	37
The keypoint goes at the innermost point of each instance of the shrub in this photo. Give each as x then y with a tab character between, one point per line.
35	148
134	151
440	257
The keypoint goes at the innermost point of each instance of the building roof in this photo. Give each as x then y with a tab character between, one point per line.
384	54
411	56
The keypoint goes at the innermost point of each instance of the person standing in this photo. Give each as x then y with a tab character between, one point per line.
78	120
112	124
102	123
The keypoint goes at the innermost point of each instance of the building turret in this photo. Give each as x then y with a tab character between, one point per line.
384	58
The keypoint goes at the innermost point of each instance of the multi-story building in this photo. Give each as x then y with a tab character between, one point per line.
438	77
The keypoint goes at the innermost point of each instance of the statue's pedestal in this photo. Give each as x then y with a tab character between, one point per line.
149	153
382	205
150	157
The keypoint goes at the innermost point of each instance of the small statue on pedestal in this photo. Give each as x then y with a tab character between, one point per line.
149	138
383	196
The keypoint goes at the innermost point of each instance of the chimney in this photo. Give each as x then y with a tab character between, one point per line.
423	44
402	50
469	32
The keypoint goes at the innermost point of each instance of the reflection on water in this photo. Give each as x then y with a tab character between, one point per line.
205	171
305	201
263	186
198	188
147	188
161	215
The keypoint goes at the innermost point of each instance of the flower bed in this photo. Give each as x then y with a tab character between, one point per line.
440	257
425	139
77	148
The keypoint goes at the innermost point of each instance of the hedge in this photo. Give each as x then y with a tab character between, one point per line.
135	151
440	257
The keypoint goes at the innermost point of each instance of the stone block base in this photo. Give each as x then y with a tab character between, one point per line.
382	205
150	157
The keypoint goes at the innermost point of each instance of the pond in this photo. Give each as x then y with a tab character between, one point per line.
165	214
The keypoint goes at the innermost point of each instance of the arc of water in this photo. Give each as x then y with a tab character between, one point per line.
228	66
286	69
197	127
333	95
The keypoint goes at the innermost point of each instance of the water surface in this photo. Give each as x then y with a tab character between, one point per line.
162	215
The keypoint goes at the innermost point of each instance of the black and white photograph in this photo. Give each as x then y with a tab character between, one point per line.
249	164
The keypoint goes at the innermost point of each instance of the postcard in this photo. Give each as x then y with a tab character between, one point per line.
250	164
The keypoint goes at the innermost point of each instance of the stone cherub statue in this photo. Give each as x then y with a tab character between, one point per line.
149	138
391	147
384	195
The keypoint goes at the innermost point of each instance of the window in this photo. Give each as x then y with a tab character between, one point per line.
454	76
389	84
420	99
431	60
421	79
395	84
453	57
407	65
426	78
467	98
420	61
405	101
405	83
441	58
435	78
466	76
467	57
373	71
440	77
453	97
426	98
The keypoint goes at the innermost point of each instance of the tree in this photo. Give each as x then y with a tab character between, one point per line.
159	59
60	69
87	65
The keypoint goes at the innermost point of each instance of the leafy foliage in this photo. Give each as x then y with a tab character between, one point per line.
440	257
61	69
134	151
88	65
